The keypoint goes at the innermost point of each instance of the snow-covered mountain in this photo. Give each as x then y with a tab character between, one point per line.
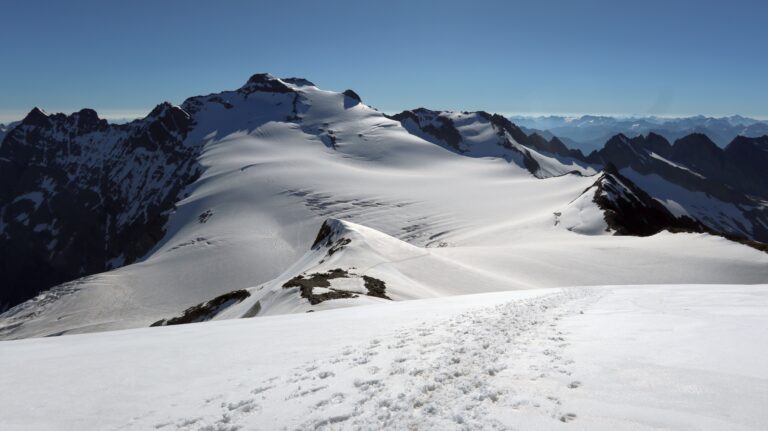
614	203
589	132
279	197
724	190
480	134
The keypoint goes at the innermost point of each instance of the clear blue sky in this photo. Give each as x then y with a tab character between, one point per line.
622	57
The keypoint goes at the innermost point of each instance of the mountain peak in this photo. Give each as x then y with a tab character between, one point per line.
266	83
86	118
36	117
261	77
161	109
618	140
696	143
655	136
738	141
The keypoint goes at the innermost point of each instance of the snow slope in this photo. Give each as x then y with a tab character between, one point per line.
670	357
728	216
280	157
479	134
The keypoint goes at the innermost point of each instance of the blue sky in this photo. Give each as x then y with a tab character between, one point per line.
612	57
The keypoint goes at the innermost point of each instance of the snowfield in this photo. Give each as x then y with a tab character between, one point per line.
471	223
630	357
342	269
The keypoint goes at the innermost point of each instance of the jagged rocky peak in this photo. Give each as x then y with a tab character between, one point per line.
431	121
651	142
748	159
93	207
538	141
172	117
629	210
694	143
742	143
553	146
699	153
619	140
266	83
434	123
84	121
87	118
36	117
503	124
558	147
657	144
163	109
621	151
419	116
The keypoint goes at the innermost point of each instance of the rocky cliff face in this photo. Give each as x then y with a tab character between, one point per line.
79	195
629	210
724	189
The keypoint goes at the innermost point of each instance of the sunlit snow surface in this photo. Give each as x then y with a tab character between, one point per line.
472	224
606	358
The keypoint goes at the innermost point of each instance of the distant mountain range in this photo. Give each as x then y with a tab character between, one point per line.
590	132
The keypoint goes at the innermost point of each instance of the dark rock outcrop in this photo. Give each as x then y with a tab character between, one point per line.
79	195
432	123
631	211
375	287
697	152
502	124
553	146
207	310
747	159
299	81
352	95
266	83
694	163
306	285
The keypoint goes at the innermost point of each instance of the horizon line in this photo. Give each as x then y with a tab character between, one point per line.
133	114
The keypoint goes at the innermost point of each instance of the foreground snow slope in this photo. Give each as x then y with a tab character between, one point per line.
633	357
